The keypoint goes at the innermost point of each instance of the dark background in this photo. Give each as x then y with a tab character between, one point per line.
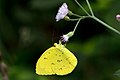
28	28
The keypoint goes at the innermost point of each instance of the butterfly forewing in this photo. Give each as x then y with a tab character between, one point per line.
56	60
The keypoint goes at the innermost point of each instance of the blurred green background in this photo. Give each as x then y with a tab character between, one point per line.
28	28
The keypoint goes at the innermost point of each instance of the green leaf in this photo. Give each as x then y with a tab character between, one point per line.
117	73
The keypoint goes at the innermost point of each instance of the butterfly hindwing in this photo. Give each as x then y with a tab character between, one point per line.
56	60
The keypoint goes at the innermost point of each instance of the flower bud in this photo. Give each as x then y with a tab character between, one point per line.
67	18
118	17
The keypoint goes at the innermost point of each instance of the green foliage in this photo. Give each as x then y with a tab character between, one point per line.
28	28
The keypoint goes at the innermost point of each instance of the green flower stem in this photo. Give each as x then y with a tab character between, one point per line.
76	15
76	25
90	7
95	18
71	33
108	26
82	7
90	16
73	19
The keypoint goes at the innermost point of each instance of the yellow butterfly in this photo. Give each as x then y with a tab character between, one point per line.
56	60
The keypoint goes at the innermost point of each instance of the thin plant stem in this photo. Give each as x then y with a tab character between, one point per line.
108	26
73	19
76	25
90	7
82	7
76	15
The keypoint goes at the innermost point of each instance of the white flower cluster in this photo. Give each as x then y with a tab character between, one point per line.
62	12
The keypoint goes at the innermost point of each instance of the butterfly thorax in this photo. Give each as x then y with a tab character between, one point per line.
59	46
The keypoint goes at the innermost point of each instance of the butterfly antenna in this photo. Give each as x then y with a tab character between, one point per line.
53	36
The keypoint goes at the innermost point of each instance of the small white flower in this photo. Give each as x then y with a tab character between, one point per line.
64	38
62	12
118	17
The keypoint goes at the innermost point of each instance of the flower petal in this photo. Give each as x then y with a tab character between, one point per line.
62	12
